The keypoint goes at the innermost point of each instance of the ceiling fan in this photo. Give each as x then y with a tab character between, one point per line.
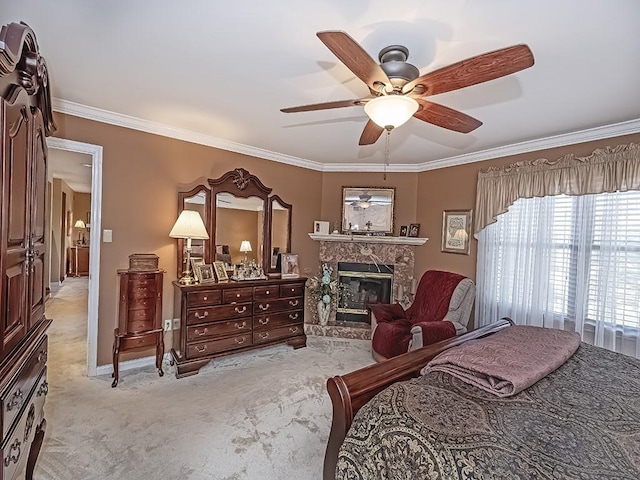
394	81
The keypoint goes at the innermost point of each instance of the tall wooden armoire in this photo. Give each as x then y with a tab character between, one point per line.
25	120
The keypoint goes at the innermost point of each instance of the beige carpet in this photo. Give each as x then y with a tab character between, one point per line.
259	415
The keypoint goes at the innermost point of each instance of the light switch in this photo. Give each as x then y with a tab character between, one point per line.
107	236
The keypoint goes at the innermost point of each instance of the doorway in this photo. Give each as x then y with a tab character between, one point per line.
95	152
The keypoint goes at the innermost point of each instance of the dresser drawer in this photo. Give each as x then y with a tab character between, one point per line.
278	305
271	291
260	336
144	340
141	291
14	398
141	303
202	349
261	322
140	314
142	279
138	326
220	312
200	332
237	295
15	450
203	298
291	289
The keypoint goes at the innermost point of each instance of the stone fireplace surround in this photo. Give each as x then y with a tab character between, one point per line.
396	251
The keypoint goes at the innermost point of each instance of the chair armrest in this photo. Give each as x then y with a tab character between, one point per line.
431	333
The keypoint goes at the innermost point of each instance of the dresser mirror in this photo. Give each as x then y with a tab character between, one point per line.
279	229
235	208
368	210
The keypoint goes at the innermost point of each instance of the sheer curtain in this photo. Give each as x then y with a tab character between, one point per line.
568	262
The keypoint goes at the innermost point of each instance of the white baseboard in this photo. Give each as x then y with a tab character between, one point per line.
131	364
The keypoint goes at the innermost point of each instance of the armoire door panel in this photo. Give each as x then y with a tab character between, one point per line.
14	323
16	151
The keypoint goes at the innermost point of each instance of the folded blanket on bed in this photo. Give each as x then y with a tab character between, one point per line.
508	361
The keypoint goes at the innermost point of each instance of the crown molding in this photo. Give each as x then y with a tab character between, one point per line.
112	118
147	126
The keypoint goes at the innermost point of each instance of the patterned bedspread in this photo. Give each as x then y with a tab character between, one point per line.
580	422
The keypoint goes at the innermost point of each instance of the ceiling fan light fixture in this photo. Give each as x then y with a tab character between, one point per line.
391	110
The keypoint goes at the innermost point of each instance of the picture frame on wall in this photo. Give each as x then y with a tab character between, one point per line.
220	271
456	231
403	231
289	265
414	230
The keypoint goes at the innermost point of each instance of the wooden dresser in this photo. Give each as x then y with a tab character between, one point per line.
224	318
25	121
139	316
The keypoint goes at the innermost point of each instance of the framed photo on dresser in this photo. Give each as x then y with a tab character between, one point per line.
289	265
220	271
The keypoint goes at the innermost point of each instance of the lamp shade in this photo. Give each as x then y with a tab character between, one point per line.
189	225
79	224
245	246
391	110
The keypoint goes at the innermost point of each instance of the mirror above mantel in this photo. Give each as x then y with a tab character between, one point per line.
238	210
368	210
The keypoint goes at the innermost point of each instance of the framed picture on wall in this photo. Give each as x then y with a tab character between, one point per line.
456	231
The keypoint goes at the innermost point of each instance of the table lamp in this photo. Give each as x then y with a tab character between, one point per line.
190	226
79	224
245	247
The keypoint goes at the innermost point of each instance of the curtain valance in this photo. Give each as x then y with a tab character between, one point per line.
605	170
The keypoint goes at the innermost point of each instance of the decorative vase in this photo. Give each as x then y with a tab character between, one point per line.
323	312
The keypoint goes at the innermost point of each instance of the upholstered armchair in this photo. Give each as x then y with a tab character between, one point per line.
440	310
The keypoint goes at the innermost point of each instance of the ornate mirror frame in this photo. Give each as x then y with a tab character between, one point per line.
373	207
242	184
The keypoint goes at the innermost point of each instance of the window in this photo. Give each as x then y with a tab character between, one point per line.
570	262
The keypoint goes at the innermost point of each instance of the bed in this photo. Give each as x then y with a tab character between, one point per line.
580	421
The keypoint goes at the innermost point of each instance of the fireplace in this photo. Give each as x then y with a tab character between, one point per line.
361	285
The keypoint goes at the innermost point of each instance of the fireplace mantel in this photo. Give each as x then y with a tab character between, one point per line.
336	237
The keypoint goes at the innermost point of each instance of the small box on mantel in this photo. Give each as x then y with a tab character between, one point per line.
143	261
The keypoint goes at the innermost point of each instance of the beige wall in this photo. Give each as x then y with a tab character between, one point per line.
142	174
60	240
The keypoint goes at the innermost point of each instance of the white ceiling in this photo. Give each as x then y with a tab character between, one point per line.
218	72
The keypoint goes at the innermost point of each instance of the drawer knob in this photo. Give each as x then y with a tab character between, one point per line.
293	329
264	321
203	332
205	298
44	389
267	292
17	400
263	307
10	458
240	326
239	341
42	356
293	303
241	310
264	335
201	348
293	316
205	314
237	295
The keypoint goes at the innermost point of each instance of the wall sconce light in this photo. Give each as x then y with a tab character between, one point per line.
189	226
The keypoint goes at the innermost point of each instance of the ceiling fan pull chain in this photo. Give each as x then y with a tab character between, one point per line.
386	153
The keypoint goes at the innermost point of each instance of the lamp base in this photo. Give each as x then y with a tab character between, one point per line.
187	279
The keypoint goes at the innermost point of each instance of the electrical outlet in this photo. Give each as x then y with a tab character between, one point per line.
167	325
176	323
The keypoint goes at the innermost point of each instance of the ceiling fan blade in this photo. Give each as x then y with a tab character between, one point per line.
371	133
355	58
474	70
323	106
446	117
